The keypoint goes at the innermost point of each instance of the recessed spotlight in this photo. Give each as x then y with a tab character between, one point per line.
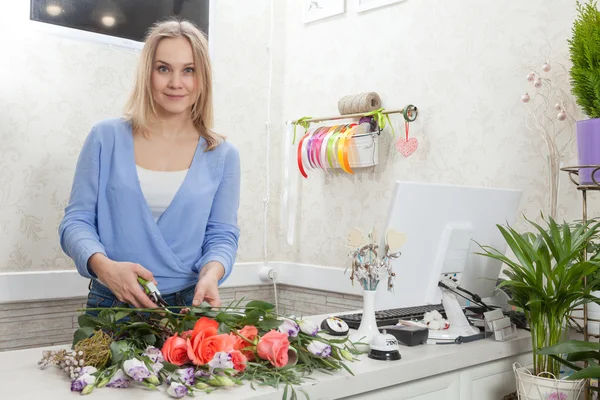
54	9
108	20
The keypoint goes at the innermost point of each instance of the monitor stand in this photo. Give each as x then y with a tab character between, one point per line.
459	325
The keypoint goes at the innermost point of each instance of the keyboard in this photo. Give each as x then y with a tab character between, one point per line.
391	317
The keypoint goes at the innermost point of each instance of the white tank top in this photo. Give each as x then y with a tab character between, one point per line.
159	188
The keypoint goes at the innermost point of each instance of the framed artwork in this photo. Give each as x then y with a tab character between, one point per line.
365	5
319	9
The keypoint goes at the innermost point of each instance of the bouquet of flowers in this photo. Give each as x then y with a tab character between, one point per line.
198	349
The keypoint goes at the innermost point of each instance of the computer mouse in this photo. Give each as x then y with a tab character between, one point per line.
335	326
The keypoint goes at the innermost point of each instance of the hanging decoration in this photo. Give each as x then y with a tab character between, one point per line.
348	146
406	146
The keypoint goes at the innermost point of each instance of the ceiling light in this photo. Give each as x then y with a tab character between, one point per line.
108	20
54	9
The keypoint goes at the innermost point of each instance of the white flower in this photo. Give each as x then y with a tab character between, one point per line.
154	354
186	375
308	327
319	349
118	380
136	369
290	327
88	370
222	360
156	367
177	390
80	383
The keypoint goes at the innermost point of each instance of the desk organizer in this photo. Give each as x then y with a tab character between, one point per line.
499	326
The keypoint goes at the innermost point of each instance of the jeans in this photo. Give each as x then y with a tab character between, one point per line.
101	297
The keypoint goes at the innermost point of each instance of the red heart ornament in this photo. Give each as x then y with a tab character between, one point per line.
407	147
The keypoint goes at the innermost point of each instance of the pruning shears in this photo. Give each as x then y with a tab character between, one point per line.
152	292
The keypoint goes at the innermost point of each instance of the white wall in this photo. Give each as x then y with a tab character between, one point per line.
54	88
463	64
460	62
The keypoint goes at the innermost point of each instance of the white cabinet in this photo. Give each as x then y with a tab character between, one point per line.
487	381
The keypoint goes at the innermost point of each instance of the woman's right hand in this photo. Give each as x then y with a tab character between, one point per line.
121	279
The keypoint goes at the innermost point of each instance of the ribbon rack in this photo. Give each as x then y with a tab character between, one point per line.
344	146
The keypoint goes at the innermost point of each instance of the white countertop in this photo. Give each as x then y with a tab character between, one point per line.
22	378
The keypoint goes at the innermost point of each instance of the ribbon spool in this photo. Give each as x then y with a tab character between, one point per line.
359	103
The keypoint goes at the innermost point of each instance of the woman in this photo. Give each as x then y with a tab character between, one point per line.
156	194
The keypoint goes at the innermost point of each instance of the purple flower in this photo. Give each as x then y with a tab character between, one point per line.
221	360
177	390
154	354
308	327
118	380
187	375
136	369
290	327
319	349
80	383
202	374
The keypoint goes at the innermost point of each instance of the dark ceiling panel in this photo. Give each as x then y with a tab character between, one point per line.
128	19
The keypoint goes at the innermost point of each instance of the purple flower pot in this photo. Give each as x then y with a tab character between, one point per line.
588	147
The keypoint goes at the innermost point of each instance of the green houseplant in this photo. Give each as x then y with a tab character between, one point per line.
546	281
577	351
584	48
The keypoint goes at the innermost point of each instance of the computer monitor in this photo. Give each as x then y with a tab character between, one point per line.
442	223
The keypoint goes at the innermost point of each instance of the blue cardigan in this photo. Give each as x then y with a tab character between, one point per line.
107	212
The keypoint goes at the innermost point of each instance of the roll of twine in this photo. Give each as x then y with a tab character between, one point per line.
359	103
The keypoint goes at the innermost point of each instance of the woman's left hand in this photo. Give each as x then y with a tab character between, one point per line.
207	288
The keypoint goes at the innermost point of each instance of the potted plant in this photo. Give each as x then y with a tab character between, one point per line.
584	48
546	283
576	352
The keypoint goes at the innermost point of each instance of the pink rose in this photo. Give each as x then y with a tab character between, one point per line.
273	346
239	360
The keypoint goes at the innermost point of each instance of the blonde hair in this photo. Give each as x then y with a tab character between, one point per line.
140	108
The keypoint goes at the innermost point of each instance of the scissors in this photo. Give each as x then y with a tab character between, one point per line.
152	292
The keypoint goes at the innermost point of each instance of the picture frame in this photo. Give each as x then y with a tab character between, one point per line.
314	10
366	5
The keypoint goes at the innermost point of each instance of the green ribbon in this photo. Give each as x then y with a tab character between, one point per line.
381	119
303	122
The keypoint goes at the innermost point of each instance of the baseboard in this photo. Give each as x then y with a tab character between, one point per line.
64	284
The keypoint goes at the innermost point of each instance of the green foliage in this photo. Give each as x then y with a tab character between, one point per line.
584	48
546	281
577	351
133	330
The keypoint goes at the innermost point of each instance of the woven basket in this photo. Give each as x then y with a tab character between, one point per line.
532	387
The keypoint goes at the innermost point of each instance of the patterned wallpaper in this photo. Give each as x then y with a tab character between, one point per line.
462	63
53	89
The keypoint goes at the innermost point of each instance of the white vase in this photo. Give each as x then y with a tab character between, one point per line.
531	387
368	324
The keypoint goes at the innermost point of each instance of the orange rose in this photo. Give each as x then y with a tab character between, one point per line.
205	327
239	360
175	350
186	334
273	346
250	333
202	351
